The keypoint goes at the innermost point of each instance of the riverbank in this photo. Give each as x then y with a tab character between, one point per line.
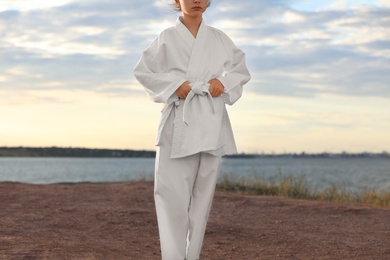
117	221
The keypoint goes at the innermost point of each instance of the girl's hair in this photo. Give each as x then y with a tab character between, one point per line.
177	8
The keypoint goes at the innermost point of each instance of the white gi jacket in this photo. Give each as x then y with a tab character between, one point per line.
201	121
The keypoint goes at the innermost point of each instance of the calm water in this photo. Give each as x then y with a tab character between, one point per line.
353	173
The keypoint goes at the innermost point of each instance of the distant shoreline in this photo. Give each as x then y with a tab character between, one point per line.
127	153
73	152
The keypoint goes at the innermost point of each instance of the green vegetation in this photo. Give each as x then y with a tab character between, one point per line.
298	187
72	152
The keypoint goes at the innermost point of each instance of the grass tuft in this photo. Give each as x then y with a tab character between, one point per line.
298	187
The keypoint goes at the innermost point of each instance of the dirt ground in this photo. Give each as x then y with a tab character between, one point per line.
118	221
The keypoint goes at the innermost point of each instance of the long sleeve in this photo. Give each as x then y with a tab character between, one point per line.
151	71
236	73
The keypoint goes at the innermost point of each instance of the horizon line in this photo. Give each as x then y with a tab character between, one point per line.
147	150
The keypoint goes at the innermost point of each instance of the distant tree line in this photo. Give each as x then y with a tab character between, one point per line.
314	155
118	153
72	152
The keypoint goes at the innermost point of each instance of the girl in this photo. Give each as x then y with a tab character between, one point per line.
194	70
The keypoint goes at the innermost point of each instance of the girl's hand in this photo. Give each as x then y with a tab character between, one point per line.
216	88
183	90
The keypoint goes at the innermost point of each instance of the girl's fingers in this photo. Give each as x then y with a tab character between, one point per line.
215	91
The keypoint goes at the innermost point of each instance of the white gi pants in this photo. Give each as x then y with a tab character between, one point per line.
183	193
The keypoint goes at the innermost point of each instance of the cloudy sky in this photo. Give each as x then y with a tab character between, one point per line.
321	73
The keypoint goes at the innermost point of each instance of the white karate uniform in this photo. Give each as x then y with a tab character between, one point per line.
193	133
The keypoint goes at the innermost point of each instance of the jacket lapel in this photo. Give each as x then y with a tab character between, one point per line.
194	65
197	44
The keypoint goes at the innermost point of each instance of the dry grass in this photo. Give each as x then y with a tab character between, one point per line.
298	187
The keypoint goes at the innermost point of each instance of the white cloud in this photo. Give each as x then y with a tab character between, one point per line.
385	3
26	5
293	17
338	4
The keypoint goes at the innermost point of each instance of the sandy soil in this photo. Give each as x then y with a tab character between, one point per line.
118	221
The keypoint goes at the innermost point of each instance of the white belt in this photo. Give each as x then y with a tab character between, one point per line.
197	88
